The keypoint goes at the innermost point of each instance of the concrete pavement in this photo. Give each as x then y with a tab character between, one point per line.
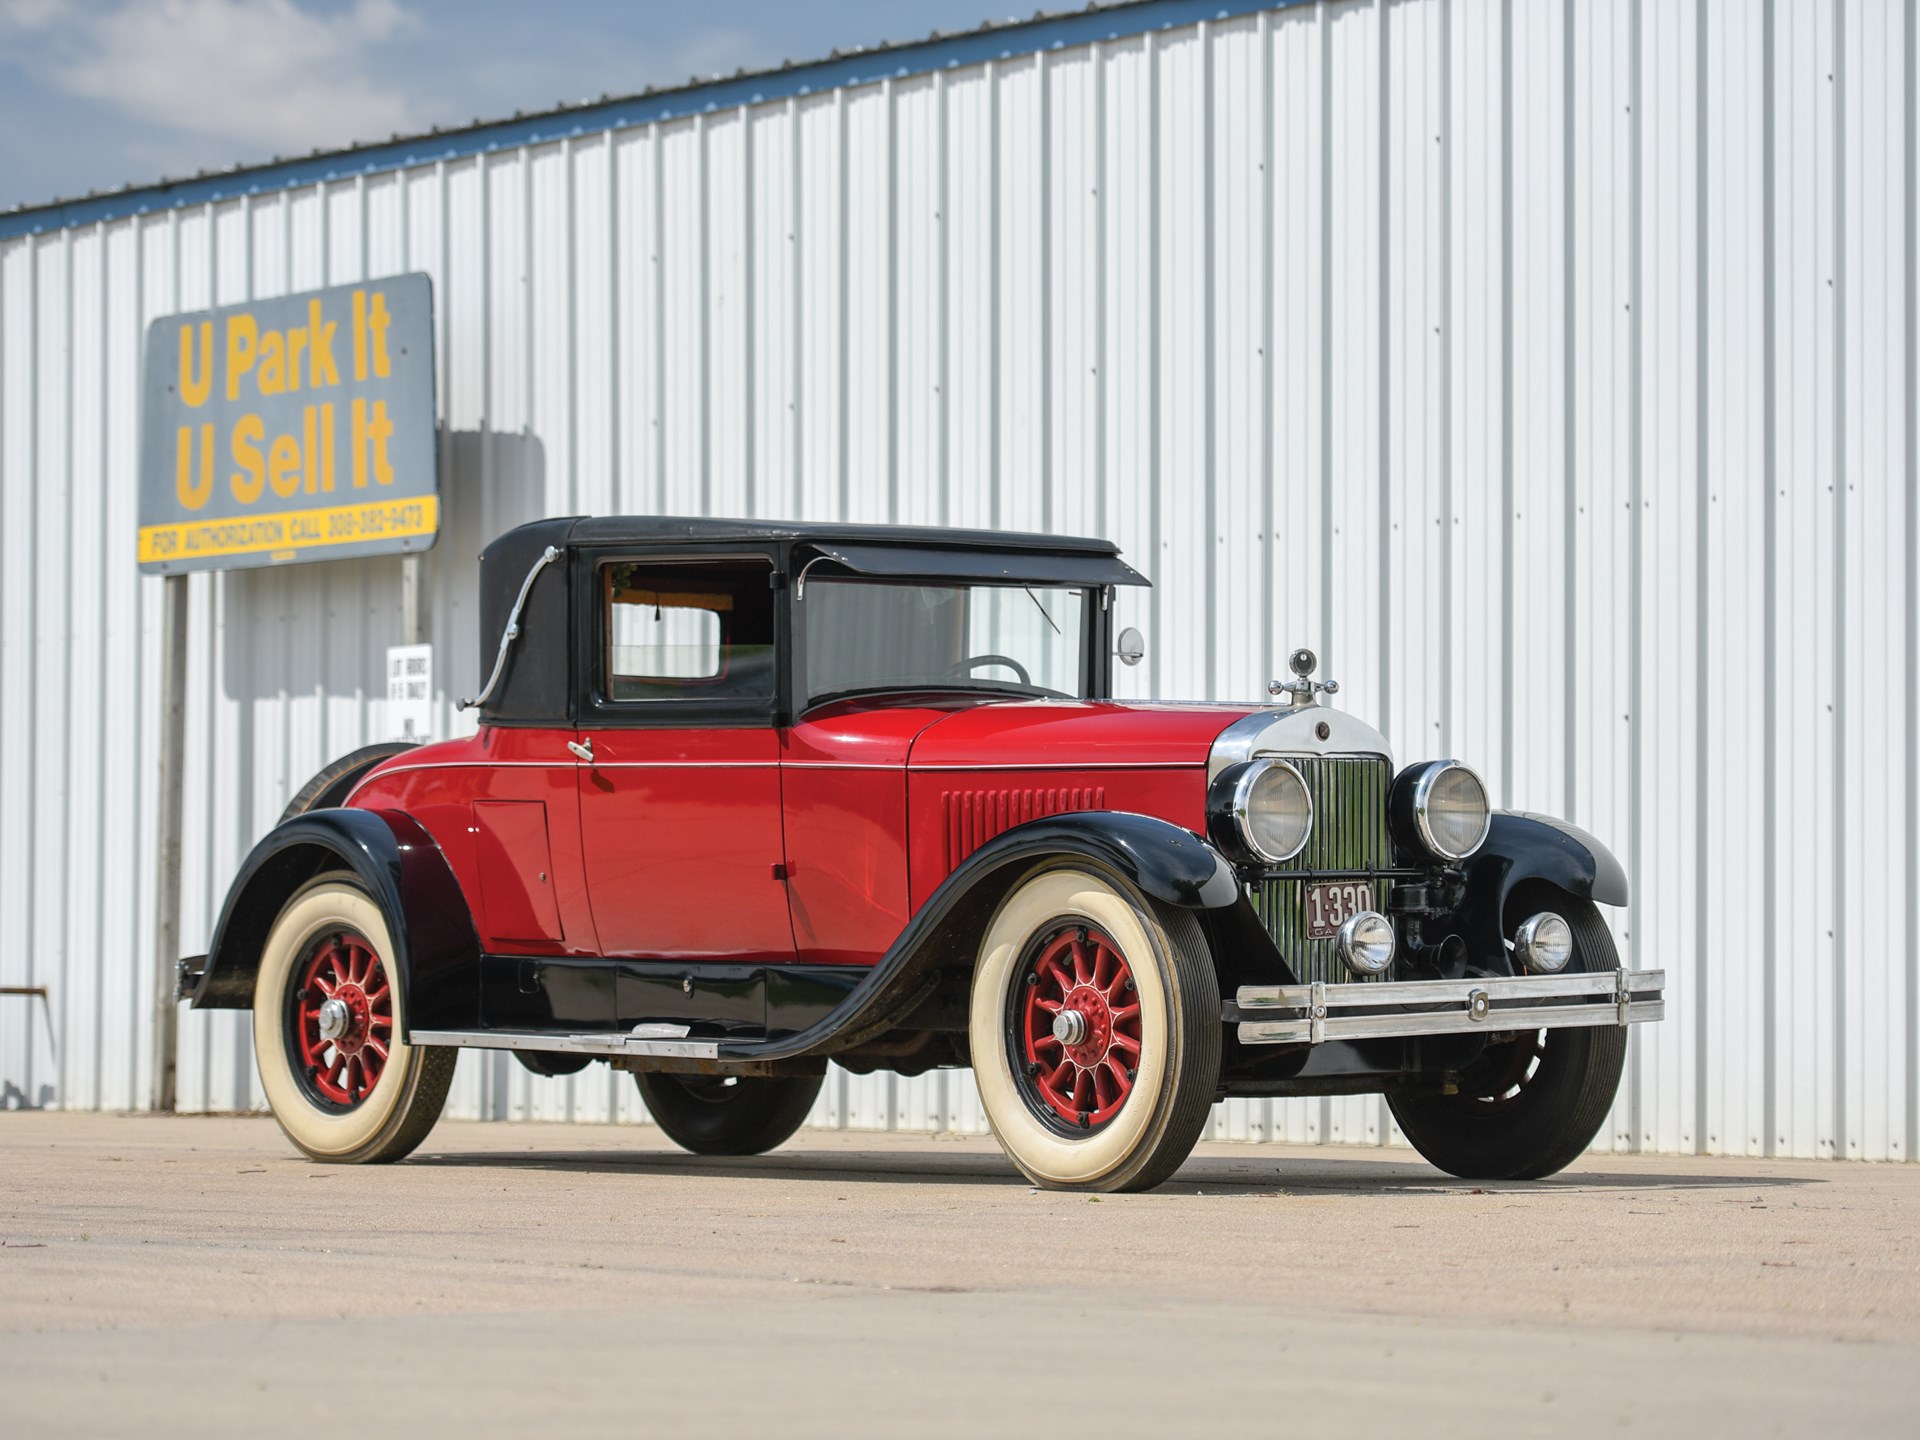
196	1277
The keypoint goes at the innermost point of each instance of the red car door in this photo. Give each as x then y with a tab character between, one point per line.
679	765
681	833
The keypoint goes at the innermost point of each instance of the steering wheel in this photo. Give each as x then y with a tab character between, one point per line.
973	662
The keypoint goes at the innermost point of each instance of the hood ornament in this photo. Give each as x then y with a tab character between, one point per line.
1301	689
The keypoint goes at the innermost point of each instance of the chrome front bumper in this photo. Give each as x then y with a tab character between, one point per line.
1309	1014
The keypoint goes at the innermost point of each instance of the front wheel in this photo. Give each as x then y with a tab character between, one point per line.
1527	1107
728	1114
327	1020
1095	1031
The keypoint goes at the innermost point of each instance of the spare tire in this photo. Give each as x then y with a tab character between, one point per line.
332	785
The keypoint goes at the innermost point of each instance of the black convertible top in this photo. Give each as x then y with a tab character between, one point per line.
535	685
654	529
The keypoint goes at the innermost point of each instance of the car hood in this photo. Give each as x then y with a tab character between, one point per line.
1052	733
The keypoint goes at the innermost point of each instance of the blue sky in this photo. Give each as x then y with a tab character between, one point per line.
95	93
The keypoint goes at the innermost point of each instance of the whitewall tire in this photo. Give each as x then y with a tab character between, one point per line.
1095	1030
327	1016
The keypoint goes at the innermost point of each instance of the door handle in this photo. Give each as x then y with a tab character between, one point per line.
583	750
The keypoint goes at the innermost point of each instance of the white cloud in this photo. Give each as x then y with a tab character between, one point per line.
256	73
491	73
30	14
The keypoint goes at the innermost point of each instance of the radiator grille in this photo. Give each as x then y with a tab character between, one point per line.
974	817
1349	838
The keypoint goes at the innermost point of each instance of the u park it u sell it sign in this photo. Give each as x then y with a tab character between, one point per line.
300	428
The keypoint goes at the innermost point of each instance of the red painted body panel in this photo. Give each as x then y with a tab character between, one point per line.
682	831
439	784
1175	793
845	779
667	845
515	864
984	770
1076	734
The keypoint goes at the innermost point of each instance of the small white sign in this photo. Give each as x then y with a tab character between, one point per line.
410	692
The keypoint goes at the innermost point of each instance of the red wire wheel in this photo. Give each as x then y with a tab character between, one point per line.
341	1018
1076	1029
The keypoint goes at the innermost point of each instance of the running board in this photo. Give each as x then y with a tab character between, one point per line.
659	1041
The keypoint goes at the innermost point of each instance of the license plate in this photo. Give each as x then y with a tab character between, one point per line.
1330	904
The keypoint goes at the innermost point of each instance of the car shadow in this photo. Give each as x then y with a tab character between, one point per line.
1201	1176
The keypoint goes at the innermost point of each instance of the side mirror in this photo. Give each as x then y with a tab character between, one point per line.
1131	647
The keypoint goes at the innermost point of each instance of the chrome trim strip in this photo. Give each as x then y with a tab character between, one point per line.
1310	1013
1081	764
800	584
686	764
570	763
566	764
606	1043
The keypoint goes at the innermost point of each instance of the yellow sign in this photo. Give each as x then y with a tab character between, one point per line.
290	532
292	429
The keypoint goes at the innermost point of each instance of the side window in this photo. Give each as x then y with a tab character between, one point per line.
687	629
659	637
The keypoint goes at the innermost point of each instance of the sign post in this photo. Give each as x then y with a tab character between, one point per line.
272	433
173	754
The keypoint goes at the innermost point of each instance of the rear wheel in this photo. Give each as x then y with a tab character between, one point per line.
728	1114
1528	1107
1095	1032
327	1017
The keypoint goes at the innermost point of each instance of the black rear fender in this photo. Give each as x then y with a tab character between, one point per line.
333	785
436	952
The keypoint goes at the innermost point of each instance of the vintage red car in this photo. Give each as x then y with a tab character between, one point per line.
749	797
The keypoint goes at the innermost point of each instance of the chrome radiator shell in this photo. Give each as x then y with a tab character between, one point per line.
1349	841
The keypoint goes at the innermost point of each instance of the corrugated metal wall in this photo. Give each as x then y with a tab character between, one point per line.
1548	366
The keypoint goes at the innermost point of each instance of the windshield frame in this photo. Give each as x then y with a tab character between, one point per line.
1094	622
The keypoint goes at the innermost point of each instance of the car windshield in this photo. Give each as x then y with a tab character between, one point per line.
870	636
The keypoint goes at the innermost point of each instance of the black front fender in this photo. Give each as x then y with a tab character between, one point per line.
1520	848
1160	859
436	952
1523	846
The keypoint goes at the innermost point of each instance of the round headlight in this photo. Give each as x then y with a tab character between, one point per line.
1365	942
1272	810
1544	943
1450	809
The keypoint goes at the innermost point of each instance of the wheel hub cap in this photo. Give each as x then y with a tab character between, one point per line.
342	1019
1070	1028
1078	1029
335	1018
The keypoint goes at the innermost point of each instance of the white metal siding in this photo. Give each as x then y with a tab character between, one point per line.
1548	367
